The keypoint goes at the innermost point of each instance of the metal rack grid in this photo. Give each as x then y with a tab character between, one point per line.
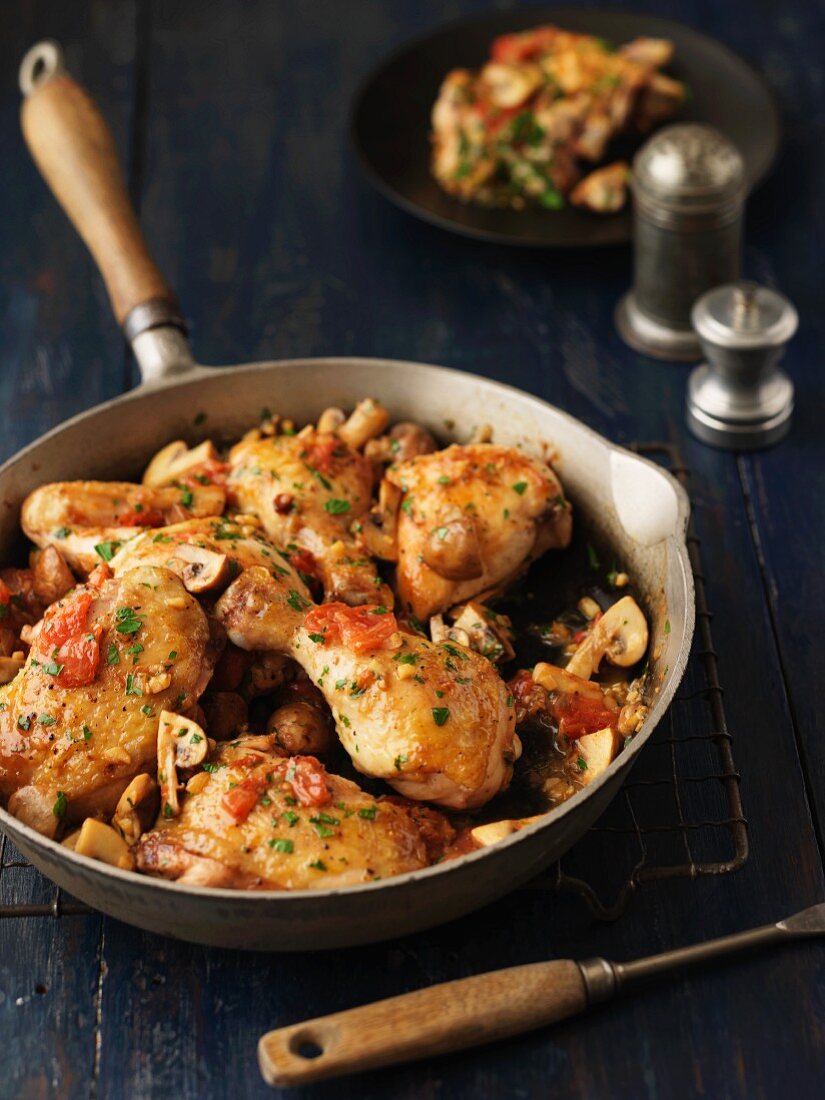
678	815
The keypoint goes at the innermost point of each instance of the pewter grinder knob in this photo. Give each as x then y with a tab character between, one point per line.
740	398
688	189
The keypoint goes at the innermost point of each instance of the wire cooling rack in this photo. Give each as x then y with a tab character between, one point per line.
678	815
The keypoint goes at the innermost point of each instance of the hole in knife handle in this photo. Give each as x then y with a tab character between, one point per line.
305	1045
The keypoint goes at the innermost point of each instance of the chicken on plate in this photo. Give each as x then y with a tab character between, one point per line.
305	661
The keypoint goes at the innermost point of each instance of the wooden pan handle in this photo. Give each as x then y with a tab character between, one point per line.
75	152
417	1025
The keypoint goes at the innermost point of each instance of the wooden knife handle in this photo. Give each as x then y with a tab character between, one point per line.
75	152
432	1021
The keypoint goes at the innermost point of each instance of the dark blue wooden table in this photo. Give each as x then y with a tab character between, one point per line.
231	119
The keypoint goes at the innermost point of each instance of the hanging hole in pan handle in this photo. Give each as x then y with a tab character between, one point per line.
43	61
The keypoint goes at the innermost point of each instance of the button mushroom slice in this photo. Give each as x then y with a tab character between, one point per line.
405	440
593	754
331	419
553	678
51	576
200	569
182	743
493	831
452	550
367	420
302	728
137	808
379	528
488	632
621	635
99	841
176	460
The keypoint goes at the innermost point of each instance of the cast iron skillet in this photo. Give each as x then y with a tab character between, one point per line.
391	119
637	509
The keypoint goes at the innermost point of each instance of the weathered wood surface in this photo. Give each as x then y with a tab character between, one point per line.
232	121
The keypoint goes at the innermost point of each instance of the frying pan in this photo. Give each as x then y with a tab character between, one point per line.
636	508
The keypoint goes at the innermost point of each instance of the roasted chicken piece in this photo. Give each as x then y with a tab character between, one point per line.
435	721
88	521
80	720
308	490
603	191
470	520
208	553
259	820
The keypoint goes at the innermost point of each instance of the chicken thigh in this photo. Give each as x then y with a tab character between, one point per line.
435	721
80	720
308	490
470	520
258	819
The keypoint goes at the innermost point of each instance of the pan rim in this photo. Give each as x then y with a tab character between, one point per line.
676	542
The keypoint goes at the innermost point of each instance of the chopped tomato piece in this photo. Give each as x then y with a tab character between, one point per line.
308	779
578	715
79	657
5	593
362	629
305	562
230	669
146	517
322	452
99	575
530	697
65	619
240	801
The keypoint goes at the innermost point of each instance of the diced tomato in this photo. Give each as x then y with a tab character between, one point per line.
146	517
322	452
5	593
362	629
240	801
230	669
66	619
80	658
304	561
99	575
308	779
578	715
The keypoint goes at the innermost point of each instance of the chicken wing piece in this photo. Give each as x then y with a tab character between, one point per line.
80	720
89	520
308	490
208	553
470	520
435	721
260	820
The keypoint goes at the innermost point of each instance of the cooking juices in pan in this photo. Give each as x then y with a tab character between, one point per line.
325	656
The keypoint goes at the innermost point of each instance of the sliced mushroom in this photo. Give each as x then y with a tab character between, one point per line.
652	52
182	743
200	569
52	577
493	831
331	419
553	678
175	461
603	191
302	728
510	85
99	841
379	528
31	806
621	635
489	633
593	754
137	808
367	420
452	550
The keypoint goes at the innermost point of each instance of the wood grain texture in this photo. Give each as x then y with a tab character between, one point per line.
253	206
438	1020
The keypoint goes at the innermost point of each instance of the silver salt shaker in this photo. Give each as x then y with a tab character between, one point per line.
688	196
740	398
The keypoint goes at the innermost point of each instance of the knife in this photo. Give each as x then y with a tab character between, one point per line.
473	1011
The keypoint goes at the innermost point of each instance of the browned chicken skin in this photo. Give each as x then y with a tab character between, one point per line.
265	821
308	490
67	752
435	721
470	520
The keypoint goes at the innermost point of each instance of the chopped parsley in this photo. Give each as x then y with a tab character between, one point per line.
318	865
62	532
440	715
319	639
581	764
519	487
282	845
186	498
128	621
336	507
592	556
24	723
407	505
46	720
399	760
147	710
296	601
291	818
667	626
52	668
107	550
112	657
60	804
131	687
368	812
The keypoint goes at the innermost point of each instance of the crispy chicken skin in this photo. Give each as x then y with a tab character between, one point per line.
308	489
435	721
76	516
153	650
291	826
471	519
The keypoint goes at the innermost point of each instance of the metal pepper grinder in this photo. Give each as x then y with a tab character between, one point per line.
688	189
740	398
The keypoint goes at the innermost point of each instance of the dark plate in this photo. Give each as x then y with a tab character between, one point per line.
391	119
